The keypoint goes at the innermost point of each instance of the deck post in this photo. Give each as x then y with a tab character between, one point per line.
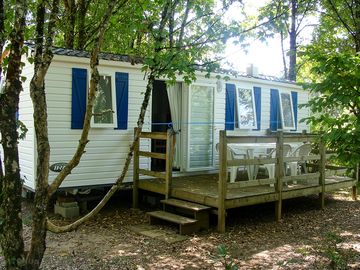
354	188
169	161
322	151
222	181
279	174
136	173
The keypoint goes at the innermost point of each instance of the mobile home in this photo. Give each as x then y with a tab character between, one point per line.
248	104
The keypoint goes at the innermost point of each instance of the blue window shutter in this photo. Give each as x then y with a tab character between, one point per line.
122	99
275	121
230	107
257	96
294	97
78	98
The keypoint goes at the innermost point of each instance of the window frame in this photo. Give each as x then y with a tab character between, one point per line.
237	113
113	104
293	127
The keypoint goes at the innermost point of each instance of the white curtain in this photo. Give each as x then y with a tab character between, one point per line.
174	95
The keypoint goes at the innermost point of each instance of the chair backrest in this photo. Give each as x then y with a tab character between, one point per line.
286	151
230	153
302	150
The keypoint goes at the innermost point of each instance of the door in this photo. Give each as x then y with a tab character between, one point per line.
200	127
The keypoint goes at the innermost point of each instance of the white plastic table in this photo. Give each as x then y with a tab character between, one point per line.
248	149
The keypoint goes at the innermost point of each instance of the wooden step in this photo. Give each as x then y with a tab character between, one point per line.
186	225
186	205
197	211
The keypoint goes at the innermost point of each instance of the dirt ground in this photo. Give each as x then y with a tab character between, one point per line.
307	238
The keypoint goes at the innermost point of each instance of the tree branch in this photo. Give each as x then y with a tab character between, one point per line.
183	23
348	28
231	35
307	8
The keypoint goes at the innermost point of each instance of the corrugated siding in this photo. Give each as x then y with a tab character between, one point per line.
304	112
107	150
265	106
265	109
27	146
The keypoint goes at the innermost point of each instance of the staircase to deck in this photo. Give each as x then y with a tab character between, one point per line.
191	217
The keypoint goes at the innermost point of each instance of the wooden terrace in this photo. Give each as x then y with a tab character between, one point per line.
216	191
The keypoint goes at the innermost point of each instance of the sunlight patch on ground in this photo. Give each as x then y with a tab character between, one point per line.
286	256
188	262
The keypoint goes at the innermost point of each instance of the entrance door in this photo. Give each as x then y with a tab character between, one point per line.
160	119
166	113
201	127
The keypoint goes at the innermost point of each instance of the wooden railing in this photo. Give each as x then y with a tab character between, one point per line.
169	138
279	139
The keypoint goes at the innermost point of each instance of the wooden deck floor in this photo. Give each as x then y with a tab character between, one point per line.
204	189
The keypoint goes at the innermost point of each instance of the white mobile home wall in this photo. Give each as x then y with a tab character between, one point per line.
106	152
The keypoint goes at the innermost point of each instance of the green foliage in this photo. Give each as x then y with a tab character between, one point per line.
331	250
338	23
22	129
335	102
225	258
278	14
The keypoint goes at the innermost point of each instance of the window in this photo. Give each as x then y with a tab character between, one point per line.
283	110
231	111
104	105
78	99
286	111
245	107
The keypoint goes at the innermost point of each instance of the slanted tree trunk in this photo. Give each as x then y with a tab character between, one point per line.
94	62
57	229
154	72
292	36
10	198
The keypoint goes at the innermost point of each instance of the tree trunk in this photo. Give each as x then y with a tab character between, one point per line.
10	200
81	14
292	35
283	54
357	26
43	57
70	16
2	43
39	214
2	31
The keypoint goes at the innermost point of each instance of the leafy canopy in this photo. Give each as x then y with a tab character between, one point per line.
335	101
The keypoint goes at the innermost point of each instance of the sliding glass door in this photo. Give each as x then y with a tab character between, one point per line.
201	127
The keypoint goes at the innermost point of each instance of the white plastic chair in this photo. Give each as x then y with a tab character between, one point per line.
271	167
302	150
230	156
